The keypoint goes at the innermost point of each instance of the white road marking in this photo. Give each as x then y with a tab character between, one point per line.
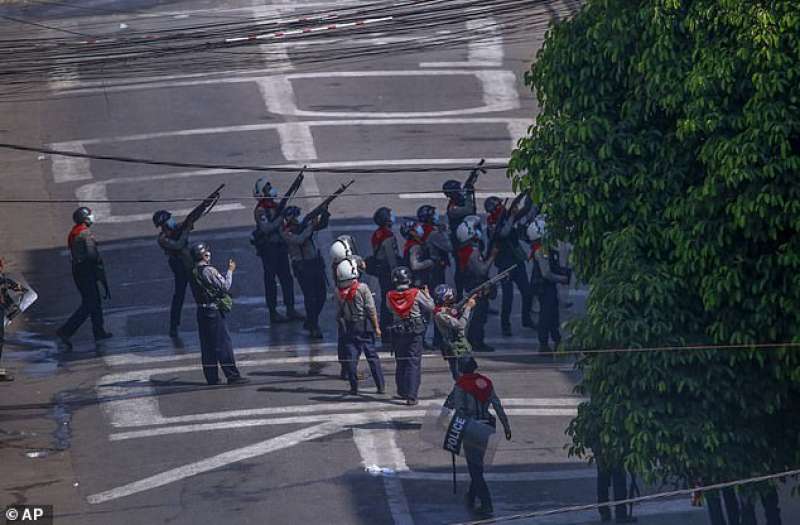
518	129
485	52
63	77
378	446
479	195
220	460
297	143
70	169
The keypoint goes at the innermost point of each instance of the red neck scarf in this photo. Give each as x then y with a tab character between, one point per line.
464	253
477	385
535	247
410	244
401	302
493	217
267	204
74	232
349	293
427	229
380	235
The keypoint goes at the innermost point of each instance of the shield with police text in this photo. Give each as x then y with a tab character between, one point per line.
20	301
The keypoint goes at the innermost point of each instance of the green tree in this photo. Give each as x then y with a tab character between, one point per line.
667	151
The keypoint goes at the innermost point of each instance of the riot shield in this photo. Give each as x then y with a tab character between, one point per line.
20	301
445	430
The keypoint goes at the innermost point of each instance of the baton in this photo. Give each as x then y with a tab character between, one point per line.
454	473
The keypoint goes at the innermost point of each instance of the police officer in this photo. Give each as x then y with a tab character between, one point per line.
437	241
409	306
460	205
452	324
344	248
470	398
475	270
415	253
509	253
174	240
273	252
307	263
386	255
209	288
358	324
546	274
88	272
6	284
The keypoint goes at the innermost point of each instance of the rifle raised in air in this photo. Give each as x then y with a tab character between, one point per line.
202	208
469	184
484	287
501	223
316	212
298	181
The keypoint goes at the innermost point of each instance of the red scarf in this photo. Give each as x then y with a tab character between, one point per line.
401	302
267	204
380	235
410	244
535	246
74	232
493	217
349	293
464	253
477	385
427	229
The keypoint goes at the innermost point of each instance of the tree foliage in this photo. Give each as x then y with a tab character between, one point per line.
667	151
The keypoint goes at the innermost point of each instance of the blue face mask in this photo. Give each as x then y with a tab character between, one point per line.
172	223
392	217
419	231
436	217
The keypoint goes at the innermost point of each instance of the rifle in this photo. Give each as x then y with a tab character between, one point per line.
469	184
298	181
202	208
501	223
316	212
484	287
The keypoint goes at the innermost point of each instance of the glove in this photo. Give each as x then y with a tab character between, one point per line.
508	434
107	294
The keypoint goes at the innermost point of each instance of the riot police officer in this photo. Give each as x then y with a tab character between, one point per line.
409	306
546	274
509	253
88	272
174	240
452	324
358	324
475	270
460	205
437	241
273	252
307	263
211	292
344	248
386	256
415	253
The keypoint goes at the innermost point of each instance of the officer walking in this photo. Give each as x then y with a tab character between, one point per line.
344	248
475	270
273	252
210	290
509	253
452	324
358	324
6	284
409	307
546	274
307	263
437	240
174	240
387	256
460	205
88	272
470	398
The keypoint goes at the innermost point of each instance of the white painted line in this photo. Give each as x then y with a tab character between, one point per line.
488	49
297	143
499	89
378	446
226	458
457	63
479	195
70	169
63	77
517	129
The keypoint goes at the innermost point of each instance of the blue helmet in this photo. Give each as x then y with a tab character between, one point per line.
443	294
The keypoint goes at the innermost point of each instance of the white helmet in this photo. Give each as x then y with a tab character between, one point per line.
340	250
263	188
469	229
535	229
346	271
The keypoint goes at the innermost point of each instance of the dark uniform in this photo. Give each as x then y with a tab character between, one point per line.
545	277
475	270
175	243
216	347
439	245
355	316
274	254
87	272
457	211
385	250
471	397
309	267
409	306
509	254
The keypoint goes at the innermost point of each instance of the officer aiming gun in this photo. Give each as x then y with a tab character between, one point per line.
507	214
323	206
203	208
469	184
484	288
298	181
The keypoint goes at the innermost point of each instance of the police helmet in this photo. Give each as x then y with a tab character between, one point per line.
409	228
427	214
350	241
491	204
199	250
346	271
161	217
451	188
536	230
382	216
401	277
467	231
263	188
83	215
340	251
291	213
443	294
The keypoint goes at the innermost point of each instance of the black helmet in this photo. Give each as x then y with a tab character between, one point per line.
382	216
291	212
160	217
198	250
426	213
401	276
451	188
83	215
491	204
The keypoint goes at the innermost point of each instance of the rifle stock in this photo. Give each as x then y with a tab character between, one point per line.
485	286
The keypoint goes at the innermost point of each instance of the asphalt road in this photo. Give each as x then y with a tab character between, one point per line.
148	442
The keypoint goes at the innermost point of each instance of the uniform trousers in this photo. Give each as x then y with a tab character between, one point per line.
354	344
216	348
477	323
311	275
408	372
85	277
519	277
181	274
275	262
548	329
477	486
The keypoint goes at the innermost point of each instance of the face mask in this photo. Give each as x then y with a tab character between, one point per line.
418	230
392	217
172	223
90	219
207	257
272	193
436	217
